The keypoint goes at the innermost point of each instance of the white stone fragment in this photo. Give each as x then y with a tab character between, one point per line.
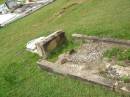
6	16
31	45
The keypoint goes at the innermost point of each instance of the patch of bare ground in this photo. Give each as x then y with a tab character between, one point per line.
88	55
79	1
65	9
69	6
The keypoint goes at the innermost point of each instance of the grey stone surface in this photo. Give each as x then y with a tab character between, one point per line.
101	39
50	43
116	71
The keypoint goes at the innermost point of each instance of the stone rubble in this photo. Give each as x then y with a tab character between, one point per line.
87	63
89	55
116	71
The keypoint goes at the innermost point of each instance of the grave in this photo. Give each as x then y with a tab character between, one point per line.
87	63
43	46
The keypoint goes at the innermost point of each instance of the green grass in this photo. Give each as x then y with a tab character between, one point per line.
126	79
120	54
19	73
1	1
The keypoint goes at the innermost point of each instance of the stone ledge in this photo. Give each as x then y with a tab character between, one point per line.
51	42
83	76
62	70
106	40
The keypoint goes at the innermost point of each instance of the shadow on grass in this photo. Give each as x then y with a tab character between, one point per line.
67	46
12	74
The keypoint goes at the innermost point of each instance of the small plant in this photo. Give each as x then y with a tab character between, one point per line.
126	79
120	54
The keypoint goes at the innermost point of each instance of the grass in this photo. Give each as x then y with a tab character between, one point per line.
126	79
120	54
1	1
19	74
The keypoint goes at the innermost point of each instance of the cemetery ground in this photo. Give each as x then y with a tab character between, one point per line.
1	1
19	73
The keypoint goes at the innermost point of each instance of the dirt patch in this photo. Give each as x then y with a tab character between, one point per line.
88	55
78	1
64	9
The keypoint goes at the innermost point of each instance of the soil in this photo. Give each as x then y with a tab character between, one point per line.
88	55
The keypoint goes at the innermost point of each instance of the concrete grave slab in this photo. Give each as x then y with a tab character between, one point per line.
50	43
87	63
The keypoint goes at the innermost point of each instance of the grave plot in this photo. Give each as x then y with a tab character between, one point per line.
43	46
90	63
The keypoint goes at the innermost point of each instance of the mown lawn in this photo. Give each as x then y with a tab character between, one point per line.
19	73
1	1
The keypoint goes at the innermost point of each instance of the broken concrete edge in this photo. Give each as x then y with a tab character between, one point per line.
57	69
41	5
99	39
53	35
50	43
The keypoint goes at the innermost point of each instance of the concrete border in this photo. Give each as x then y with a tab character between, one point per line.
61	70
100	39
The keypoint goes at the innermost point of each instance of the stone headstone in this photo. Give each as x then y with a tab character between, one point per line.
11	4
50	43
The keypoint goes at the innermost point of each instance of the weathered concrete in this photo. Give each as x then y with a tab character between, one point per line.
106	40
50	43
30	8
86	63
83	75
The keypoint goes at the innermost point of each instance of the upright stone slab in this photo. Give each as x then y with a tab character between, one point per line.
11	4
50	43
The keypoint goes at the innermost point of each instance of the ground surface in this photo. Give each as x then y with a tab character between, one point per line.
19	75
1	1
88	62
88	57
